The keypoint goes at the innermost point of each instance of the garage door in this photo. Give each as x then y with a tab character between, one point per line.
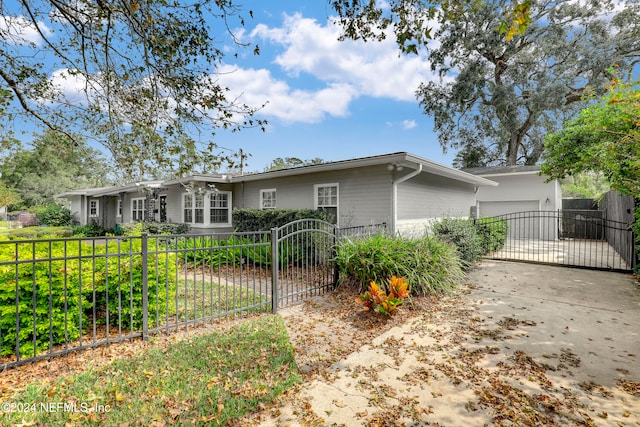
502	208
522	225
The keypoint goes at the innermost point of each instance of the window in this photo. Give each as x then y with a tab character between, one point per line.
94	206
219	208
138	206
193	208
119	208
268	198
326	199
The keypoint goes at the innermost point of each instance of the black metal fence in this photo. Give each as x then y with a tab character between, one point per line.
62	295
574	238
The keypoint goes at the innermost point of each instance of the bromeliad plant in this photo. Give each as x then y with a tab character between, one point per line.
377	299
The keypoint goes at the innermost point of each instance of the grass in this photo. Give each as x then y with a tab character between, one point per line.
205	380
204	298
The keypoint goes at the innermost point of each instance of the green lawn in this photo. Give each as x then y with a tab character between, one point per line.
204	380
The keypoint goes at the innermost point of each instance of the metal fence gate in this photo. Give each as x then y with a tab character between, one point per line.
573	238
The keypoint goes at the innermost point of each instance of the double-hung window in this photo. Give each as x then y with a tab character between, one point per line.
138	206
268	199
219	208
326	199
193	208
119	208
94	208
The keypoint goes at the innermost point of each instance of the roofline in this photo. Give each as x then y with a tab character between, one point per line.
403	158
536	172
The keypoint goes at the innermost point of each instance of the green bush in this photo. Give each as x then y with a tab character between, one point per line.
463	235
493	233
137	228
54	216
68	294
428	264
89	230
245	220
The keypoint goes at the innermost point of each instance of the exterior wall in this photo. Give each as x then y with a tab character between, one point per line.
77	209
364	194
525	187
427	198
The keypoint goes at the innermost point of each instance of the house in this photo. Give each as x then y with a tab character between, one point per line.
401	189
522	192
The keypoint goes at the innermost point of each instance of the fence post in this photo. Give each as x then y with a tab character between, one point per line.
145	287
334	253
274	270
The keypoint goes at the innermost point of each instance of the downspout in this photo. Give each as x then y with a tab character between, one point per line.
394	191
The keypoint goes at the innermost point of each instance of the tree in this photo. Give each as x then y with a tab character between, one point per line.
603	138
54	165
585	185
510	94
412	20
291	162
144	76
506	92
8	196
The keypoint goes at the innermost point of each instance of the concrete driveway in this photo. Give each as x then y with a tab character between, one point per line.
524	344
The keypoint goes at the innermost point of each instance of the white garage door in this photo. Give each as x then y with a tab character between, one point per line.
502	208
524	221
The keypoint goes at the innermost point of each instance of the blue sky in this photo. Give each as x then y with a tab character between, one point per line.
328	99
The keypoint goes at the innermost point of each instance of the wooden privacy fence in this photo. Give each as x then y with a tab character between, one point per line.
63	295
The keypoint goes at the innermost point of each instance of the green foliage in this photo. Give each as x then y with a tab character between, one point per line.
144	79
463	235
54	164
604	138
8	196
493	233
291	162
585	185
428	264
89	230
266	219
509	94
59	298
54	215
39	233
137	228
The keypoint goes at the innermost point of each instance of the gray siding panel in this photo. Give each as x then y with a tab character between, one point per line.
432	196
364	193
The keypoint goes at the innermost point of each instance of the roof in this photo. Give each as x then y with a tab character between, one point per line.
400	159
504	170
403	159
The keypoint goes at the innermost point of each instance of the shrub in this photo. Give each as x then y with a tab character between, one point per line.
54	216
137	228
265	219
428	264
463	235
493	233
69	294
89	230
385	301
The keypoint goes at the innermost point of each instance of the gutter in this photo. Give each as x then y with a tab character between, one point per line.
394	191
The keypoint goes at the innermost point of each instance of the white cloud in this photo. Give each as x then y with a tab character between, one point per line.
256	87
19	30
70	87
322	75
374	69
409	124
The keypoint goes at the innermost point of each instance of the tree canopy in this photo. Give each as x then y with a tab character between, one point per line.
291	162
54	164
498	95
140	78
8	196
603	138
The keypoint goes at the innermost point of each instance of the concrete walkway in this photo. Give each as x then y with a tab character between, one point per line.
527	345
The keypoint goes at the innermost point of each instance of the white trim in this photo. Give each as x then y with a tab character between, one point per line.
229	209
97	208
275	198
206	200
119	208
316	205
134	202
